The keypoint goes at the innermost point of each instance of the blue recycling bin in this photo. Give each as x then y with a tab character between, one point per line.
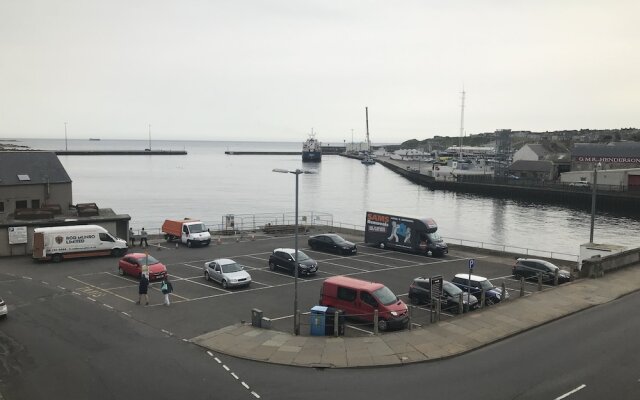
317	322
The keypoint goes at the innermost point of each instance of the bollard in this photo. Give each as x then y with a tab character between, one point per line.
483	298
503	295
219	241
375	322
176	245
438	309
253	237
539	281
555	277
522	286
410	315
336	323
460	304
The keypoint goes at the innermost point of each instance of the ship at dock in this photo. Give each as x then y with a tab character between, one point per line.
311	149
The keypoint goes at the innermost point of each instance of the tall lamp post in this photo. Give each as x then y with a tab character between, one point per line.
296	323
593	198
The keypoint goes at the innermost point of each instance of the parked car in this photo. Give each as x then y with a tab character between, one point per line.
580	184
283	258
531	267
420	293
132	264
492	294
226	272
3	309
332	242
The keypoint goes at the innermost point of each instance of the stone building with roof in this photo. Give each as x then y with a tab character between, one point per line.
36	191
546	159
615	155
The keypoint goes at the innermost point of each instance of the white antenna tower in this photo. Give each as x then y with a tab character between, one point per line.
461	123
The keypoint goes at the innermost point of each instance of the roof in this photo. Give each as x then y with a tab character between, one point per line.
532	166
31	168
473	277
614	149
353	282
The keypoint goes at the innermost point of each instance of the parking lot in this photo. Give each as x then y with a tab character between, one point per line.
199	305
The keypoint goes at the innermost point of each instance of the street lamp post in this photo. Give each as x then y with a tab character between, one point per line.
296	323
593	199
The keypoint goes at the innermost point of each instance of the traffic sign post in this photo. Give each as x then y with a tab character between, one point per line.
472	263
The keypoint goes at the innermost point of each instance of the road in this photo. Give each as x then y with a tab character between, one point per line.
56	344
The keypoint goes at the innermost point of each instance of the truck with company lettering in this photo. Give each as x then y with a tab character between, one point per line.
418	235
61	242
188	231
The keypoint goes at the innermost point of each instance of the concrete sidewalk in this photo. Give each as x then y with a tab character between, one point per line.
435	341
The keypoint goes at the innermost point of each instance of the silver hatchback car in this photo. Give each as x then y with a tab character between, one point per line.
226	272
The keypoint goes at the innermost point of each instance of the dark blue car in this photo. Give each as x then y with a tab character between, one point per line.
492	294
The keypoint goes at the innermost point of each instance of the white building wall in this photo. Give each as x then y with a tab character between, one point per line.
525	153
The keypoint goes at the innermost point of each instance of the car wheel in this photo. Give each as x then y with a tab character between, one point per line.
382	325
56	258
120	271
206	276
272	266
189	243
225	285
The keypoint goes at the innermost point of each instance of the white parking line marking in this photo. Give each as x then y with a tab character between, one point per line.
98	288
108	306
26	277
571	392
225	367
61	288
76	293
256	395
245	385
166	332
46	283
234	375
91	298
359	329
128	315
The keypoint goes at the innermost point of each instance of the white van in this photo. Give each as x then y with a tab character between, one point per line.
58	243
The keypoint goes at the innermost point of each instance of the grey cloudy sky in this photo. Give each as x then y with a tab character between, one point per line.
272	70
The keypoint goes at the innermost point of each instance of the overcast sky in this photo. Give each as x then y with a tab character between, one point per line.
275	69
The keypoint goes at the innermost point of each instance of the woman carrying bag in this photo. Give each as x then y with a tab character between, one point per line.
166	287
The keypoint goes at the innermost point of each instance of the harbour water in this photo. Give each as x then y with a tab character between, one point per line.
208	184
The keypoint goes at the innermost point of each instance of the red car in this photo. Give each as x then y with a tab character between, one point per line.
131	264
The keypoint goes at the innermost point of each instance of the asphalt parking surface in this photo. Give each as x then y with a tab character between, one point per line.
200	306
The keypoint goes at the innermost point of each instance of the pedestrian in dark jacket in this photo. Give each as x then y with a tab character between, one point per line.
143	287
166	287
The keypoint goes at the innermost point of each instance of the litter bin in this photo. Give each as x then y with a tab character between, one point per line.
330	318
256	317
317	322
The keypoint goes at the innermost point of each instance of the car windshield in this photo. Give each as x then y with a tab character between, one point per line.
302	256
434	237
486	284
149	260
337	239
227	268
197	228
385	296
450	288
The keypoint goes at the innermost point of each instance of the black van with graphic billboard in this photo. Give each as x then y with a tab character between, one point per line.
417	235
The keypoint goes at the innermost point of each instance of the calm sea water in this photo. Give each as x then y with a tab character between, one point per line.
207	184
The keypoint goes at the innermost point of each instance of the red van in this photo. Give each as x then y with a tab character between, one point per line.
358	299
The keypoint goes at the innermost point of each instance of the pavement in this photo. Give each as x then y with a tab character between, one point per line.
436	341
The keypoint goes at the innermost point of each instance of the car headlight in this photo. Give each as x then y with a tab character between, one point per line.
395	314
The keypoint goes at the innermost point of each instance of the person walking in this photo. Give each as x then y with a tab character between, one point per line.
143	238
166	287
132	237
143	287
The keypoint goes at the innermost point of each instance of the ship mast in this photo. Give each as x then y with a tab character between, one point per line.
461	125
366	111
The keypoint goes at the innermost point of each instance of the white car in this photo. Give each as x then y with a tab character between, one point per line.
3	309
226	272
582	184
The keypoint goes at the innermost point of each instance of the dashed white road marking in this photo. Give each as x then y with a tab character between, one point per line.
166	332
225	367
256	395
61	288
234	375
46	283
218	360
27	277
209	353
128	315
245	385
571	392
108	306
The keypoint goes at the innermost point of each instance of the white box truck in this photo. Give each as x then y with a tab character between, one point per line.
60	242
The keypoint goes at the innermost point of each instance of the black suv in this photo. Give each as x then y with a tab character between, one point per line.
478	283
283	258
332	242
530	268
420	293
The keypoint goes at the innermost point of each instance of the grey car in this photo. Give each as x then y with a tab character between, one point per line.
226	272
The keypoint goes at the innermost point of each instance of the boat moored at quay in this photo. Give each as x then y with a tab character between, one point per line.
311	149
